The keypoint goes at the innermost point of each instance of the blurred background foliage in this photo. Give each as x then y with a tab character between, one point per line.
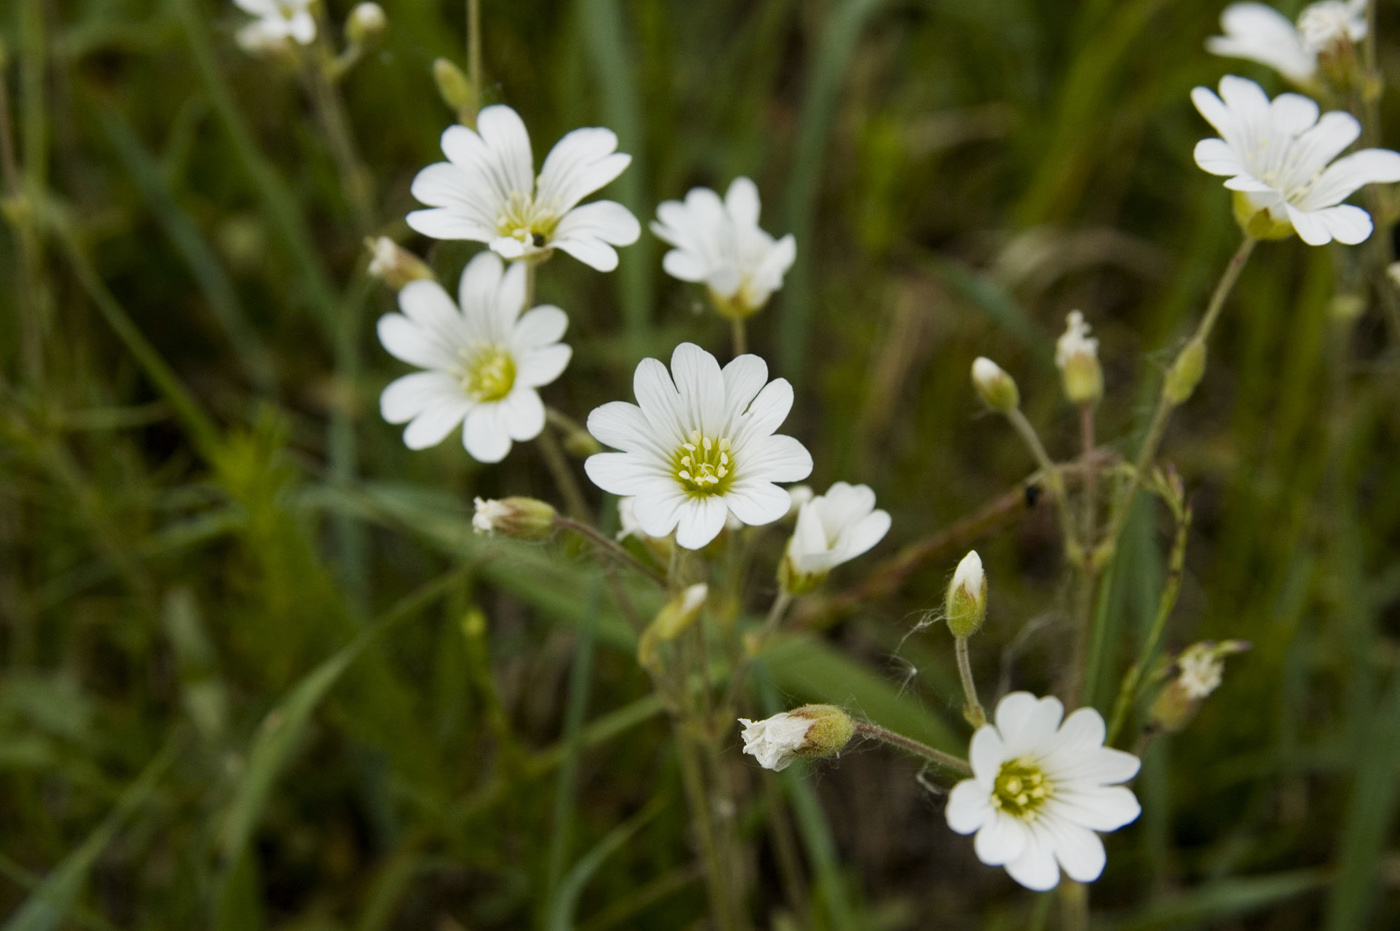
258	672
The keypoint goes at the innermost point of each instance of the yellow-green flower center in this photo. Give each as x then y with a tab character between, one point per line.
703	465
527	220
488	372
1021	788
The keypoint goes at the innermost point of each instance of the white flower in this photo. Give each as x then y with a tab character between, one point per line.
801	494
1041	789
484	361
970	578
836	527
1258	32
487	191
488	515
1276	154
277	21
720	243
699	448
1201	671
774	742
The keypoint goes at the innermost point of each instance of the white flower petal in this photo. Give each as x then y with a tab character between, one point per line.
1294	114
485	435
766	413
657	397
429	307
522	412
407	397
1013	713
987	752
741	200
442	223
1346	175
623	426
701	388
1001	839
1079	851
744	377
498	151
627	474
1106	808
535	368
862	536
757	503
658	508
538	327
579	164
701	520
409	343
776	458
1216	157
969	807
1258	32
431	426
1036	868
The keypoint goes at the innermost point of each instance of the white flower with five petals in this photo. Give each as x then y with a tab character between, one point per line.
1258	32
484	360
1276	157
698	446
1041	789
277	21
487	191
719	242
835	528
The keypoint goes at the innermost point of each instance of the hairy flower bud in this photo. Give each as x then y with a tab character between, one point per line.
456	90
1077	355
393	264
1185	373
674	618
997	389
966	607
517	518
366	24
810	731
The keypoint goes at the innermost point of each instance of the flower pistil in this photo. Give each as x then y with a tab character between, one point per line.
703	465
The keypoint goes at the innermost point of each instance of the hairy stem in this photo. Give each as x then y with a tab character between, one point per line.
608	547
910	745
974	712
1053	478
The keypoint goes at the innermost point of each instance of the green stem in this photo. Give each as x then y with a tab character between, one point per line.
563	474
608	547
1086	574
974	712
1165	405
910	745
1053	478
740	334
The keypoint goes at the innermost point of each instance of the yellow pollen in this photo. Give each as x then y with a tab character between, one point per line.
488	372
703	465
525	219
1020	789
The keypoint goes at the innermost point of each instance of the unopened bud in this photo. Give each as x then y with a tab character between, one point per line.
1200	669
1185	373
792	580
393	264
674	618
366	24
517	518
811	731
998	389
456	90
1077	355
966	607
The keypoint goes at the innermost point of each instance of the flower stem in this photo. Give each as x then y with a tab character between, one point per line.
1052	478
608	547
974	712
1165	405
910	745
558	465
741	337
1087	573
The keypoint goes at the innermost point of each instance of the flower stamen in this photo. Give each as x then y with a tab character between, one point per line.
488	372
703	465
1021	788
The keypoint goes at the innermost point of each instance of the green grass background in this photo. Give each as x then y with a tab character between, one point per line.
258	673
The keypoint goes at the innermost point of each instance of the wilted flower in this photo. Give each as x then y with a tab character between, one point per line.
487	191
1039	791
518	518
484	360
1200	669
1077	355
720	244
810	731
393	264
1258	32
1275	156
699	448
831	529
277	22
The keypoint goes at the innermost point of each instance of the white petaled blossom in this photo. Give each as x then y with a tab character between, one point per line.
720	244
487	191
774	742
1258	32
835	528
489	513
1276	154
484	360
699	446
277	21
1041	789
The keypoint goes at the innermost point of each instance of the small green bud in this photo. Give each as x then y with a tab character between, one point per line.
366	24
456	90
966	606
674	619
517	518
1185	373
792	580
811	731
997	389
393	264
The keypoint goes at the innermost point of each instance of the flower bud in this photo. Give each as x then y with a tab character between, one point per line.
998	389
366	24
792	580
456	90
674	618
1199	671
517	518
810	731
1077	355
393	264
1185	373
966	607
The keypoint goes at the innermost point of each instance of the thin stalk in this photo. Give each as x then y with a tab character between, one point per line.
910	745
474	48
974	712
1087	573
693	779
18	207
1369	113
559	467
1074	906
1128	691
608	547
785	849
740	333
741	669
1165	405
1052	478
